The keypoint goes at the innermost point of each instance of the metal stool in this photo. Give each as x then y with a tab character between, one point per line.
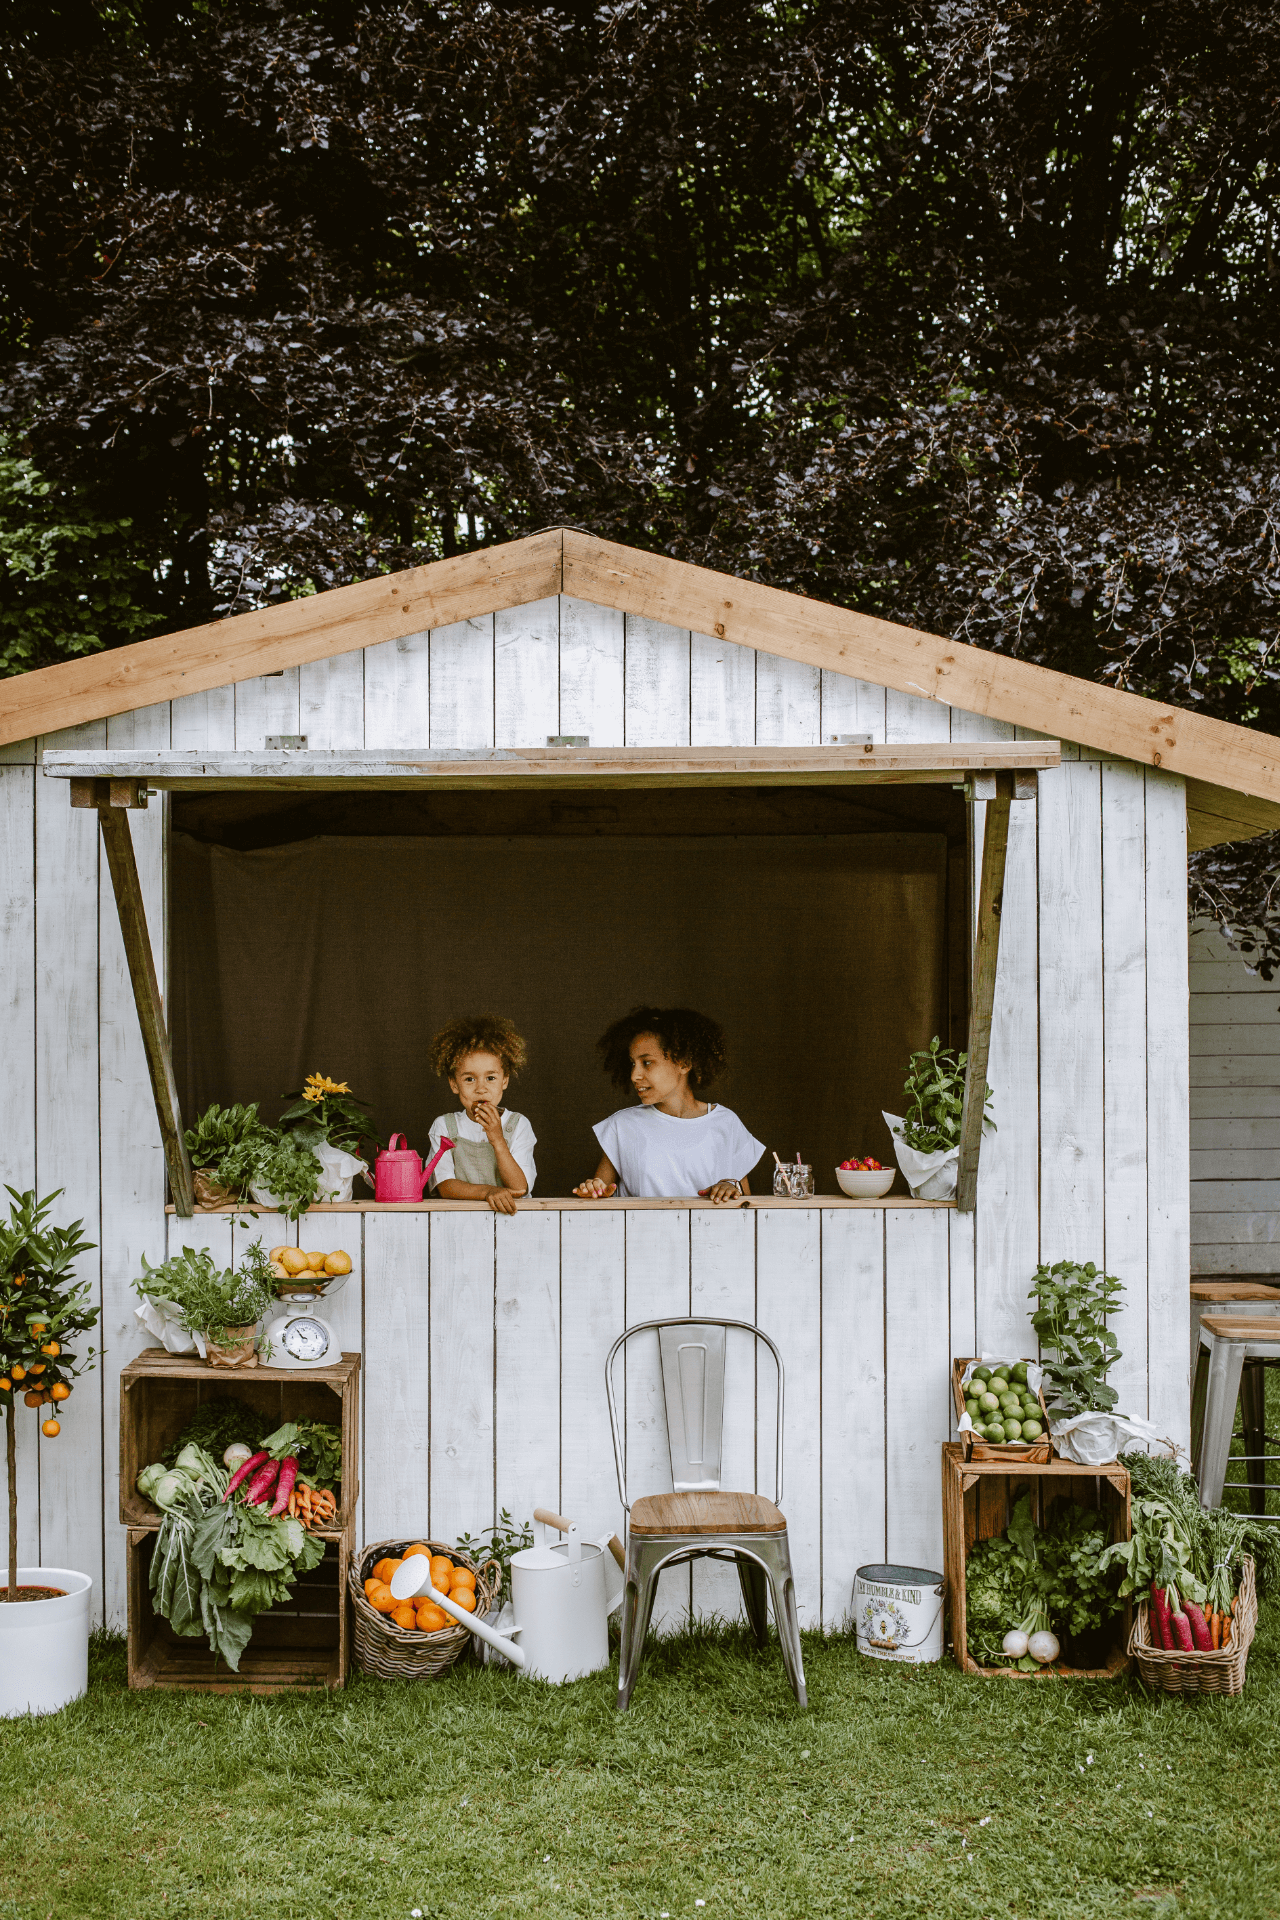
1240	1299
1230	1341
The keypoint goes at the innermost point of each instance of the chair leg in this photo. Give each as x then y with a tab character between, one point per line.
1199	1393
1226	1361
1253	1393
755	1598
637	1611
776	1555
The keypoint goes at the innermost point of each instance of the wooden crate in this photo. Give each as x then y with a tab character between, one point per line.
160	1391
978	1498
1007	1452
302	1646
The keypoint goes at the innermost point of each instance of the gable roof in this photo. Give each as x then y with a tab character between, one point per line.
1232	773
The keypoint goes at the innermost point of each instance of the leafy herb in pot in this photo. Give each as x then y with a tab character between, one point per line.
935	1085
326	1113
1077	1345
282	1164
209	1301
218	1130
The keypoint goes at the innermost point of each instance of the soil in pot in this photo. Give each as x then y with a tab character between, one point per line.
35	1593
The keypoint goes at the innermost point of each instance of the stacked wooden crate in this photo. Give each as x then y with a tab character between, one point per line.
302	1644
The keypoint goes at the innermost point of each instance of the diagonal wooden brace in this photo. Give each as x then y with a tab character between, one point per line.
118	841
986	949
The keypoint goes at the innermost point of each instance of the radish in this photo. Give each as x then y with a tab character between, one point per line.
284	1487
262	1483
1161	1628
1043	1647
242	1472
1200	1633
1182	1640
1015	1643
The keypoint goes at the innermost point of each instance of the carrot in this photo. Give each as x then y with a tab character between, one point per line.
1215	1629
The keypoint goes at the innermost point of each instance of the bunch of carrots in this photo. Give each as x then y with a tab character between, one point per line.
314	1506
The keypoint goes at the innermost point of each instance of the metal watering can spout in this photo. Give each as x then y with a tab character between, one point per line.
412	1581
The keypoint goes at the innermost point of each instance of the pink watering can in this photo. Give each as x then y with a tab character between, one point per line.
400	1178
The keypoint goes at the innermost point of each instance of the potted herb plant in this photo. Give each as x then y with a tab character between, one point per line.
187	1302
327	1118
216	1133
1073	1303
44	1611
927	1138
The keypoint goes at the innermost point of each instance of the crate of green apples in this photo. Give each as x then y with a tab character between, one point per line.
1009	1420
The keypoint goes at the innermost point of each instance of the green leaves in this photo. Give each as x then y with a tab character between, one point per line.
208	1299
317	1447
935	1085
219	1129
1079	1347
1054	1575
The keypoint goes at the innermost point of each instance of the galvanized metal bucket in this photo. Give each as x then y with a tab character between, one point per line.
898	1613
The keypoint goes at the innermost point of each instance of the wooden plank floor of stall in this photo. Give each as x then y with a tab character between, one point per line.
978	1498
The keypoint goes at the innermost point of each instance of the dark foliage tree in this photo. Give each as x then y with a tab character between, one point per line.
964	314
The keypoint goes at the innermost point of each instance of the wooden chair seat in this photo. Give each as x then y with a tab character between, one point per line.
706	1513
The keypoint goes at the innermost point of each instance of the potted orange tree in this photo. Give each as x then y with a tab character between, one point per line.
44	1611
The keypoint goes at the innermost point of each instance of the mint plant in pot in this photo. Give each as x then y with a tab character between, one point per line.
44	1611
188	1302
212	1144
926	1138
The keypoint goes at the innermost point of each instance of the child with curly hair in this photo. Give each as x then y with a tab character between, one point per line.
674	1142
492	1154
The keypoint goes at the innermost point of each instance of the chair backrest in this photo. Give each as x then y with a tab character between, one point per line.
692	1359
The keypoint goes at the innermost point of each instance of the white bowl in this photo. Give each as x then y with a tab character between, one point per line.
860	1184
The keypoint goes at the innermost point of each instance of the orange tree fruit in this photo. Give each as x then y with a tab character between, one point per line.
51	1429
60	1390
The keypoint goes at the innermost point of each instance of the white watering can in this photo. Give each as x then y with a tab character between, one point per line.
558	1598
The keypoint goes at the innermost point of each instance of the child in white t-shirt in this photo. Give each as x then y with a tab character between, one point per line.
492	1154
674	1142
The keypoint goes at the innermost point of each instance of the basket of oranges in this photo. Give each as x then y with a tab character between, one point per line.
415	1639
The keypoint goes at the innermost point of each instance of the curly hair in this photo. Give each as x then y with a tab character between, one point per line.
689	1039
477	1033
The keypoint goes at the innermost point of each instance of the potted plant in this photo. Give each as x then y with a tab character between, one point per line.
327	1118
42	1311
187	1302
927	1138
209	1143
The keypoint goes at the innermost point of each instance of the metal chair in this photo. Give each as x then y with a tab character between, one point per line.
1240	1300
1231	1341
697	1519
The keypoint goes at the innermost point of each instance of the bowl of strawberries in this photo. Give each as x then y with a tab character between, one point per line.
864	1179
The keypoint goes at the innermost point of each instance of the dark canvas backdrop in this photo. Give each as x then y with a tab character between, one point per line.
823	958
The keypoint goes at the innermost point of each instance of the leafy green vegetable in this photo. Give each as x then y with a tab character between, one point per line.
1079	1347
218	1130
215	1426
282	1163
1033	1577
315	1445
208	1300
935	1083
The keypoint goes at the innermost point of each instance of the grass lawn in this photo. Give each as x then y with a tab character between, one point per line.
902	1791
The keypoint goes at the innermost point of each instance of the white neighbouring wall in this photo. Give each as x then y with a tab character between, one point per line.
483	1341
1235	1111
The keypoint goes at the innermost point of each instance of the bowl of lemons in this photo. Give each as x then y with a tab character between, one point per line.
308	1276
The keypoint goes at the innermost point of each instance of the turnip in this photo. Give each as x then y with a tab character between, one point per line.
236	1455
1043	1647
1015	1643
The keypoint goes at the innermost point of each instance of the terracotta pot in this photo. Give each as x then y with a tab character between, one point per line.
240	1349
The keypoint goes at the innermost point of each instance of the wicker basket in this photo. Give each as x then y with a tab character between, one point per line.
392	1652
1220	1672
1009	1453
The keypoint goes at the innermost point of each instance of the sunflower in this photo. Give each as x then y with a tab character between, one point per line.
319	1084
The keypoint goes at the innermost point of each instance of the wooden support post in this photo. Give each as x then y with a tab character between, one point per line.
995	845
113	818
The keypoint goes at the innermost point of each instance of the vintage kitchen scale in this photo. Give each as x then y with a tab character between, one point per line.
299	1333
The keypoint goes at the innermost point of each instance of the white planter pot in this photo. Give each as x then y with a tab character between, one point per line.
44	1644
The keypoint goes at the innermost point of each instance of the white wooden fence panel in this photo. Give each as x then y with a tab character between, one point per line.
722	693
265	706
526	1397
18	1078
397	692
789	1306
788	702
526	674
851	706
593	1314
462	684
910	716
917	1366
462	1373
1168	1169
397	1384
331	703
657	684
978	726
1071	1028
1124	997
204	722
853	1408
657	1288
722	1285
344	1310
592	647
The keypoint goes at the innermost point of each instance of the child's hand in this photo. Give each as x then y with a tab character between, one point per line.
502	1200
723	1192
595	1190
486	1115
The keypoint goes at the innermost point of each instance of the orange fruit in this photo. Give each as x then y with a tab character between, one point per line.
382	1598
6	1385
463	1577
51	1429
54	1347
385	1569
19	1373
465	1598
37	1366
370	1584
417	1547
432	1618
61	1391
404	1616
33	1399
441	1573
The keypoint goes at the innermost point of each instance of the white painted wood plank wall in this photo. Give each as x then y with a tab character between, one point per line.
483	1343
1235	1111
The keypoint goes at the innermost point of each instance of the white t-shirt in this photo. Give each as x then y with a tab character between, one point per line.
519	1136
657	1155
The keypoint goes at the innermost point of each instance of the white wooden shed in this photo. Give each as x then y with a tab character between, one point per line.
483	1340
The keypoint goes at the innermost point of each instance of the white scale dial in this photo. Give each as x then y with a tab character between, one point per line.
306	1339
